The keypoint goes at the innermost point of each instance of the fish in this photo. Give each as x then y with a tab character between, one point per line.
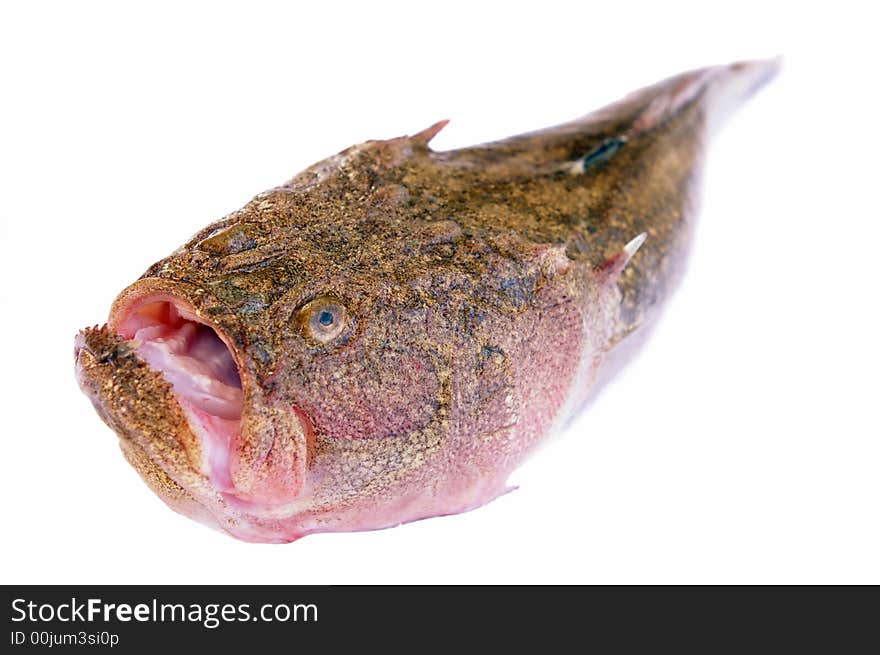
389	334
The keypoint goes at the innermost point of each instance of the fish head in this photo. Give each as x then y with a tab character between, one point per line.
274	369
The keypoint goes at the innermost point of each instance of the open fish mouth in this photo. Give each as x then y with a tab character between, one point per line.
192	356
168	374
189	353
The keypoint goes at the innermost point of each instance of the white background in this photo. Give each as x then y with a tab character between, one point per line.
740	447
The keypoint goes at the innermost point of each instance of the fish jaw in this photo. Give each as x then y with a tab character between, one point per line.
176	389
139	405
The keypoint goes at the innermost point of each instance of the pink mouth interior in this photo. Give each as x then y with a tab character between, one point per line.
193	358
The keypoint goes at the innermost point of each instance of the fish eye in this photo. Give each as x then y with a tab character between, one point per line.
324	319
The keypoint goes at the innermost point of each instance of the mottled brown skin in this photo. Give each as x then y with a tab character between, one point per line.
483	287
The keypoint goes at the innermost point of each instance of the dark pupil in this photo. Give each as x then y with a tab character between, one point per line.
325	318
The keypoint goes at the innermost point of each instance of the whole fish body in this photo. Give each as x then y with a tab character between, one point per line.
386	336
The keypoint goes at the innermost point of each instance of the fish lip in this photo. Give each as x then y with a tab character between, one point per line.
151	289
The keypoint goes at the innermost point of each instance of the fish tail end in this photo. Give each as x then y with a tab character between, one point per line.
732	85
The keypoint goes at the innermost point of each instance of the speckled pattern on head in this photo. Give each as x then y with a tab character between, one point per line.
386	336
